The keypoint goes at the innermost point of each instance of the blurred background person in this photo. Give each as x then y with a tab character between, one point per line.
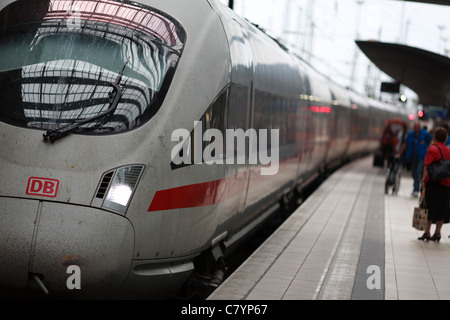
416	145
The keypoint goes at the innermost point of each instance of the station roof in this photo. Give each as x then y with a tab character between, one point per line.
425	72
443	2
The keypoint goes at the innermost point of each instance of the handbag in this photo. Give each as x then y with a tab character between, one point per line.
420	216
439	170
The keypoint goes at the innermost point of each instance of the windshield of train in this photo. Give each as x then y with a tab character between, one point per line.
58	59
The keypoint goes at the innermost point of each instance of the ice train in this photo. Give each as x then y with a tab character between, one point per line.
92	203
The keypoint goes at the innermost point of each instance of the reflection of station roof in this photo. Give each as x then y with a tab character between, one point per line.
426	73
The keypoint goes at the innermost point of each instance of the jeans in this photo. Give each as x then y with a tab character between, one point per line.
416	171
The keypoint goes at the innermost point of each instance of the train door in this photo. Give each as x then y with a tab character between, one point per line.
239	114
317	126
339	128
303	125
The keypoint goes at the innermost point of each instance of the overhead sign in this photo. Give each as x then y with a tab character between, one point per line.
391	87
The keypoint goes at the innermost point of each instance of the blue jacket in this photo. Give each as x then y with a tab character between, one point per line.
417	145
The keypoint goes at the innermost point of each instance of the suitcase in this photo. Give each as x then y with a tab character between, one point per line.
378	159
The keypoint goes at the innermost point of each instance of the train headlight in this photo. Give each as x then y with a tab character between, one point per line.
119	194
122	187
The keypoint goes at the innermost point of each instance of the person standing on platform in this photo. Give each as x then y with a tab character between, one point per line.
437	193
416	145
401	139
387	144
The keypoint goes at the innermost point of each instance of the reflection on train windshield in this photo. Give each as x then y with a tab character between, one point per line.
58	59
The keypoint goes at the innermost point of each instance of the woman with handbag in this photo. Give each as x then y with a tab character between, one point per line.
437	193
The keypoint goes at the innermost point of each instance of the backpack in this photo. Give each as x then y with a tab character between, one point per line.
439	170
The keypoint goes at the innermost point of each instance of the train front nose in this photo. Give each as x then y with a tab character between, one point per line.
17	222
73	251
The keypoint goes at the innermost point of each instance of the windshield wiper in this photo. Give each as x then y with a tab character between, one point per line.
114	99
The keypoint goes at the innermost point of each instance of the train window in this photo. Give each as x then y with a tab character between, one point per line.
215	117
58	59
238	107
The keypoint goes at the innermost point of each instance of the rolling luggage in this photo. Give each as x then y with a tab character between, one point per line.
378	159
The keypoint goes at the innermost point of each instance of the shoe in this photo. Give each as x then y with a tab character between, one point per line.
425	236
436	237
415	194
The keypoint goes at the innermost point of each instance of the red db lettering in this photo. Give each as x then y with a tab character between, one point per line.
36	186
49	187
42	187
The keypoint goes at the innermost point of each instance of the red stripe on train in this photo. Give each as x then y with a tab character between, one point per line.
198	195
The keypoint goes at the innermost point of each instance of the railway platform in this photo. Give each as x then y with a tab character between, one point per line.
347	241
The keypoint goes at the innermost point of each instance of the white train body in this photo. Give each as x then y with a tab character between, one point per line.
105	196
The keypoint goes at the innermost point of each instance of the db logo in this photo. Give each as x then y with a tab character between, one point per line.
42	187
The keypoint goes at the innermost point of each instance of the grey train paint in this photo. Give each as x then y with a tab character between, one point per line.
92	205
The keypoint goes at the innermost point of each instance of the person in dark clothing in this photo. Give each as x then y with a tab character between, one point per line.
437	193
387	143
